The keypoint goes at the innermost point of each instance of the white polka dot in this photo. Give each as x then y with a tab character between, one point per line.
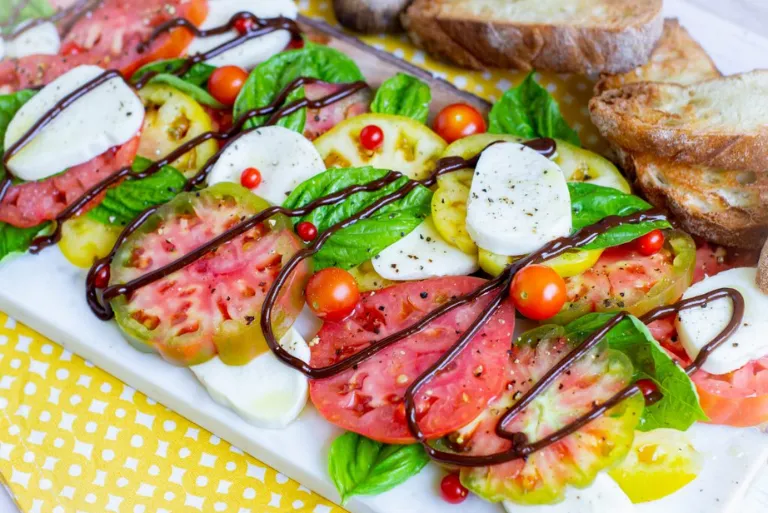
231	465
14	430
47	349
45	484
59	509
122	482
45	416
151	401
139	508
297	504
75	400
108	454
30	388
58	443
3	403
120	413
169	425
184	452
169	496
281	479
91	427
201	481
219	506
90	498
15	363
154	470
137	441
29	457
62	374
106	388
215	440
75	470
249	493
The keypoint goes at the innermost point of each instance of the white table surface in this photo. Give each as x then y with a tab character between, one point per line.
751	14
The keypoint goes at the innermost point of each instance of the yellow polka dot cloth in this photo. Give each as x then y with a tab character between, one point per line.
73	439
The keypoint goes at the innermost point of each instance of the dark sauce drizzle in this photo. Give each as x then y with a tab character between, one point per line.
77	11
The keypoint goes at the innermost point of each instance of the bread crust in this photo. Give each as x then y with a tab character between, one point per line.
762	270
481	44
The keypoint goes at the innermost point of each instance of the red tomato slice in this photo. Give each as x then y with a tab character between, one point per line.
109	38
369	399
320	121
712	259
29	204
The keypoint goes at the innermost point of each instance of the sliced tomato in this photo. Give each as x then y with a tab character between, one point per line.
739	398
369	398
31	203
109	37
211	307
623	279
542	477
319	121
712	259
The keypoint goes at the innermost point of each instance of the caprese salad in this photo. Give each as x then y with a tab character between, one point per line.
221	176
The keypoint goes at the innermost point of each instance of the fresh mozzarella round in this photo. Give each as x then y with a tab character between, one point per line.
423	254
108	116
283	157
265	391
253	51
42	39
698	326
518	201
2	48
602	495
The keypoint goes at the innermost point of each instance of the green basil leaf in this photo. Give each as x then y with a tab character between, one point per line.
197	93
365	239
17	240
360	466
591	203
127	200
32	9
529	111
193	82
679	408
269	78
9	106
403	95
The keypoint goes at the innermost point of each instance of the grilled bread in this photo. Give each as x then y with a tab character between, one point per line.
677	58
721	123
565	36
762	270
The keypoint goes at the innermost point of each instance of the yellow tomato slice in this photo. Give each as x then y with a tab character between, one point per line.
84	240
172	118
580	165
408	146
659	463
566	265
368	279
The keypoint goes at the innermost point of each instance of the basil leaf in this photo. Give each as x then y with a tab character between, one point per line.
679	407
366	238
9	106
197	93
403	95
269	78
128	199
17	240
32	9
529	111
360	466
591	203
192	83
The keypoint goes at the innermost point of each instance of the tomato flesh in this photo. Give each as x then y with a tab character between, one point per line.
368	399
459	120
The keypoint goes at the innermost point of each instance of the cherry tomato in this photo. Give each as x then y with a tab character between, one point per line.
452	490
650	243
371	137
243	25
225	83
457	121
250	178
101	280
538	292
332	294
71	48
648	389
295	44
307	231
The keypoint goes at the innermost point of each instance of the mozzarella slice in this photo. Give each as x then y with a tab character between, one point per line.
518	201
42	39
285	159
423	254
108	116
265	391
698	326
253	51
601	496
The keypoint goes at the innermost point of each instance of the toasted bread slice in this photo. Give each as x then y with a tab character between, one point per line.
565	36
762	270
677	58
724	207
721	123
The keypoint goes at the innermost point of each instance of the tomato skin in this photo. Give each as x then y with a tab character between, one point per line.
538	292
225	83
243	25
371	137
101	280
250	178
307	231
650	243
332	294
459	120
452	490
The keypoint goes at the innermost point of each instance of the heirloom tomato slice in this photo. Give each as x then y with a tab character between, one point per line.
368	399
212	306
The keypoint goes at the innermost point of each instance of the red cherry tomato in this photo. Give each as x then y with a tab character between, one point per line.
371	137
295	44
647	387
71	48
538	292
452	490
101	280
457	121
250	178
650	243
307	231
225	83
332	294
243	25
